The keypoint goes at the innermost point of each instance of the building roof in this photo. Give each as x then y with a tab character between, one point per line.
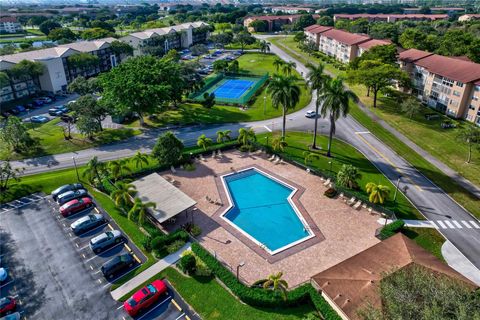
169	200
345	37
354	282
149	33
374	42
455	69
292	8
315	29
8	19
395	16
88	46
283	17
36	55
412	55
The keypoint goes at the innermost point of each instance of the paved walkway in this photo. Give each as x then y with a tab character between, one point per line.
147	274
438	224
457	261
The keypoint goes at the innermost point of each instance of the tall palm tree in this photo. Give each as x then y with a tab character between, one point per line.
284	92
288	67
316	80
140	159
279	144
223	136
140	209
204	142
335	103
377	192
93	169
123	193
264	46
278	63
118	167
275	283
470	136
246	136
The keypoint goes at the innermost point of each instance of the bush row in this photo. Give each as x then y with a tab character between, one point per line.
159	242
391	229
259	297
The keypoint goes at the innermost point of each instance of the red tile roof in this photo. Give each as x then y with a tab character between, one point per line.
412	55
345	37
284	17
395	16
8	19
455	69
374	42
317	29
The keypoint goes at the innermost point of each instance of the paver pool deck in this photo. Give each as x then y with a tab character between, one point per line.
343	231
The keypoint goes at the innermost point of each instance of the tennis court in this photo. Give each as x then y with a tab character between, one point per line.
233	88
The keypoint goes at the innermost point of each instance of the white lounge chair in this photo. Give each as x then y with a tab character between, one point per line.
220	153
272	158
173	169
357	205
277	161
213	154
351	201
326	183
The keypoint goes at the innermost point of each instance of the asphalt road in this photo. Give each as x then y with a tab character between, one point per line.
433	202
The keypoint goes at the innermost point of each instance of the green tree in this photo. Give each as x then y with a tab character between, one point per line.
90	114
140	159
64	34
123	194
473	50
83	61
96	33
471	137
204	142
118	168
288	67
264	47
275	283
234	66
377	192
411	107
316	80
285	93
120	47
309	156
168	149
140	210
4	79
14	134
173	55
93	170
325	21
347	176
83	86
359	26
384	30
259	25
188	263
335	103
223	136
27	69
244	39
413	38
48	26
208	100
246	136
300	36
220	65
303	21
386	54
7	174
278	144
455	42
278	63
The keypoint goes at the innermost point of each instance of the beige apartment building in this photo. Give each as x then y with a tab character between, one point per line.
449	85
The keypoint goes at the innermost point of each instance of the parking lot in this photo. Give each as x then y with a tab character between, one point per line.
54	274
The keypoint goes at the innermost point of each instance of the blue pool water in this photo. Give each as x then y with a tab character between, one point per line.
233	88
261	209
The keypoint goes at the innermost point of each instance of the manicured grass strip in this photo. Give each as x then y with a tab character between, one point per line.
427	238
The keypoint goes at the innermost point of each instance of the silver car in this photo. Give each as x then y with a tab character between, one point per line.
70	195
87	223
106	240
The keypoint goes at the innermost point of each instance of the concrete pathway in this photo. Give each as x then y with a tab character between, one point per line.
147	274
457	261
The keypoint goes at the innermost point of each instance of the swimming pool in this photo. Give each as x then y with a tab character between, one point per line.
262	209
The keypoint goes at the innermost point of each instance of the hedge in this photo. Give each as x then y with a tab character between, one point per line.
260	297
391	229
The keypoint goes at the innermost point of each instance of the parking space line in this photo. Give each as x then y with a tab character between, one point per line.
121	306
111	228
3	285
128	248
96	209
180	316
136	258
91	267
176	305
121	276
187	317
158	305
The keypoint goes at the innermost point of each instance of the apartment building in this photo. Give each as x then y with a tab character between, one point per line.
447	10
449	85
10	25
290	10
391	17
469	17
274	23
58	71
159	40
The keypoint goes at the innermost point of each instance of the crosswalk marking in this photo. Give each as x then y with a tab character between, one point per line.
433	224
474	224
449	224
441	225
466	224
457	224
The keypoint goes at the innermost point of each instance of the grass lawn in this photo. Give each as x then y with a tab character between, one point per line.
50	140
212	301
429	239
344	153
426	134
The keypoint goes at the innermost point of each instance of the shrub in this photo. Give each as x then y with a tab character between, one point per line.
158	242
330	192
391	229
147	244
188	263
193	229
175	246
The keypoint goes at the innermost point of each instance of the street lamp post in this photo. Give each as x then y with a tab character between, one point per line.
330	163
76	169
264	105
239	266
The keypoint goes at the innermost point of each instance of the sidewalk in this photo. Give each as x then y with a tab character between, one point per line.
147	274
457	261
410	223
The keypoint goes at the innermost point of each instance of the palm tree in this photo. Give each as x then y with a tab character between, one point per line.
223	135
204	142
335	103
347	176
288	67
264	46
309	156
279	144
470	135
123	193
118	167
93	169
246	136
278	63
316	80
377	192
140	209
274	282
284	92
140	159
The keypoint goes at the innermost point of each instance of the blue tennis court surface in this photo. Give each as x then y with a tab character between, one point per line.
233	88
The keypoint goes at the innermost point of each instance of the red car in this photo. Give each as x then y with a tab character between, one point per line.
75	206
7	305
145	297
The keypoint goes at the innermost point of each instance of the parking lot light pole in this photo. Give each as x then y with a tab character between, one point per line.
239	266
264	105
76	169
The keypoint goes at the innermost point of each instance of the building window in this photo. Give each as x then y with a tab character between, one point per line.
456	93
471	107
460	84
477	88
448	82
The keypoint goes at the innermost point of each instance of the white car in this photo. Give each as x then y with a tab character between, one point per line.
3	274
310	114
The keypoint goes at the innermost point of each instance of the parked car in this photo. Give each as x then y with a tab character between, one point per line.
87	223
38	102
6	114
55	112
310	114
45	99
117	265
71	102
3	274
14	111
20	109
68	187
12	316
75	206
7	305
39	119
70	195
145	297
106	240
